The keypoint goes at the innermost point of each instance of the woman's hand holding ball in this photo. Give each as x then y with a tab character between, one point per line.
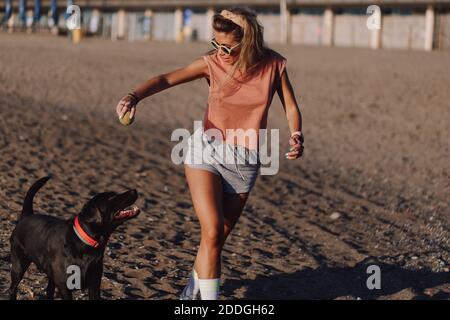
126	109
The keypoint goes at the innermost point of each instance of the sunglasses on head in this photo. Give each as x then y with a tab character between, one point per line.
224	49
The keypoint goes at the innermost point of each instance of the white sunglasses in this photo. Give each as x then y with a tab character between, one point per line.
224	49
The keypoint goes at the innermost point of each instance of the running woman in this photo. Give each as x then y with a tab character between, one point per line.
243	75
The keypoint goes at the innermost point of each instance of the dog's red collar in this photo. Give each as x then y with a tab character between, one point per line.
87	239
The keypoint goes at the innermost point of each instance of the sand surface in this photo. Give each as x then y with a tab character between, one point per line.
372	188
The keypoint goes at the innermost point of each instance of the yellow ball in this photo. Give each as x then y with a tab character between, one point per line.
126	121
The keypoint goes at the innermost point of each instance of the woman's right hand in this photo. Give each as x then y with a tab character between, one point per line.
127	103
296	142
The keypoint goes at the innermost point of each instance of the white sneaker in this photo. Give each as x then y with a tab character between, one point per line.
188	295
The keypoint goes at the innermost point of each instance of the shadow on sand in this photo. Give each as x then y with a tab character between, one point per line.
343	282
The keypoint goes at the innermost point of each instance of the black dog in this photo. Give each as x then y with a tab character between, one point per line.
54	245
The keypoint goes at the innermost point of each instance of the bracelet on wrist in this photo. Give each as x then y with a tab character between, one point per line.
299	133
134	96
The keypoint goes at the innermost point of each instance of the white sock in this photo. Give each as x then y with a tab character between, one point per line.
209	288
192	286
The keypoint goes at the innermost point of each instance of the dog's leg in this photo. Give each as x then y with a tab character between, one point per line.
50	290
94	289
20	263
94	293
66	294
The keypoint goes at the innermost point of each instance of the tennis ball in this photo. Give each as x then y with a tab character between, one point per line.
125	120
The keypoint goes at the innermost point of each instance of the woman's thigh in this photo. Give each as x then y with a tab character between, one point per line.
206	192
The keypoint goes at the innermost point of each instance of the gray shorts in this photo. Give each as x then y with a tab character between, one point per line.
237	165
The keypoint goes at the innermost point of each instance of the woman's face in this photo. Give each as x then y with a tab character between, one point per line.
227	39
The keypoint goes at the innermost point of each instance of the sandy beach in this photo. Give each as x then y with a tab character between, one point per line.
372	188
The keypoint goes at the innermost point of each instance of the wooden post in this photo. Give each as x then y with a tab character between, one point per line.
94	23
328	27
121	24
149	15
11	23
375	40
209	17
429	27
285	22
29	20
178	25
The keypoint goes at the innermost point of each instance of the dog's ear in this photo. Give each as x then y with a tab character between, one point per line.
92	210
90	213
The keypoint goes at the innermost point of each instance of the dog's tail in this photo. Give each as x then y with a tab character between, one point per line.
27	208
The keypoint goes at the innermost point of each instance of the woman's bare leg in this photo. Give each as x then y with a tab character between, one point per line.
206	191
233	205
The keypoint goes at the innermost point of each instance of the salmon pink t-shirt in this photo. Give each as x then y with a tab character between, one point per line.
242	102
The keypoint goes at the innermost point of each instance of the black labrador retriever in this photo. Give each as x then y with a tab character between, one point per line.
65	249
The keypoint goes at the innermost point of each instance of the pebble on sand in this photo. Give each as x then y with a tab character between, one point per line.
335	215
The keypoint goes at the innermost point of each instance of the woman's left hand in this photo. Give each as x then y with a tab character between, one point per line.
296	142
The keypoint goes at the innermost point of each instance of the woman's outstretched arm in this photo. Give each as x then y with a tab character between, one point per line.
197	69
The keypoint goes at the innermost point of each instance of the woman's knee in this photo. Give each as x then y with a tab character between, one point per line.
213	237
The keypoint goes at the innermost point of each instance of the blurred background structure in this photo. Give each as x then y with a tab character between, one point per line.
405	24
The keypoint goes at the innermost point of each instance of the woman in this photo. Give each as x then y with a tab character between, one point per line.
243	75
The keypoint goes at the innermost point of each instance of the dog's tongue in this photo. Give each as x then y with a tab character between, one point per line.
127	213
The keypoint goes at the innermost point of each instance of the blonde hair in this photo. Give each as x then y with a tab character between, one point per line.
249	32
